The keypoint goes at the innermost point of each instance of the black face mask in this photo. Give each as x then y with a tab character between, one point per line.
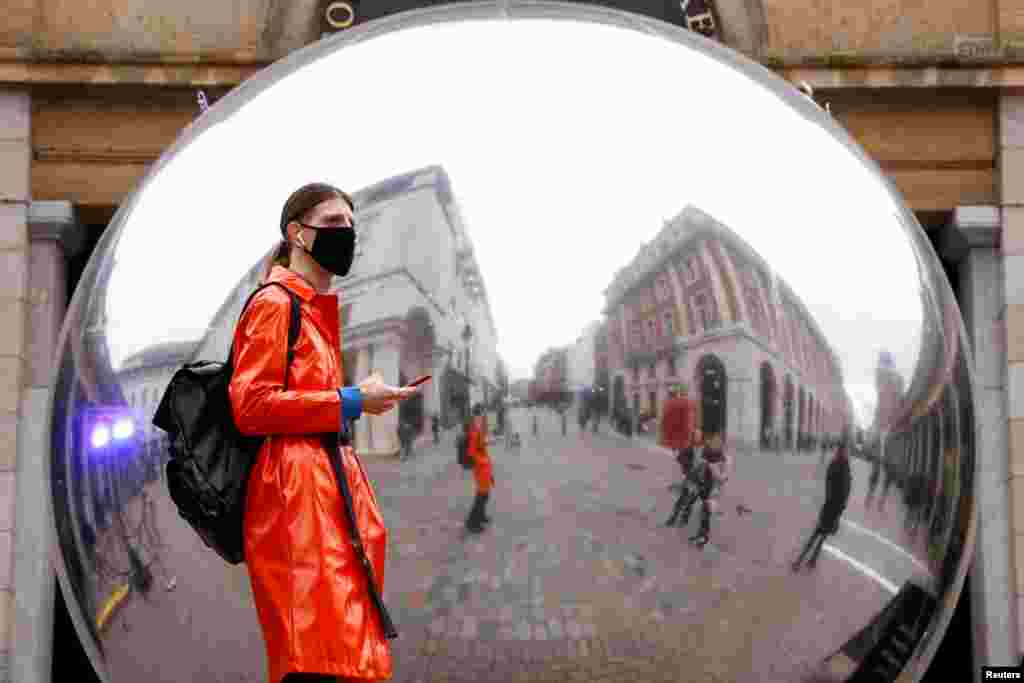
333	248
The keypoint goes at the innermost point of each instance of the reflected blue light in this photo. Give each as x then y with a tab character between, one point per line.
124	428
100	436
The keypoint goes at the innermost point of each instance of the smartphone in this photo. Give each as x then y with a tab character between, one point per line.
418	381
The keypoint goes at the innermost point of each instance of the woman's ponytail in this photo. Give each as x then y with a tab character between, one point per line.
279	256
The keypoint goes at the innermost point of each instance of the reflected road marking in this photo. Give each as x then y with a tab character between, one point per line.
858	528
864	569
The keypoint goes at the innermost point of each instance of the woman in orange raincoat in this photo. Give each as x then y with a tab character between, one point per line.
476	447
310	589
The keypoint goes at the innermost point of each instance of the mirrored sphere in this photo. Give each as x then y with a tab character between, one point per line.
605	232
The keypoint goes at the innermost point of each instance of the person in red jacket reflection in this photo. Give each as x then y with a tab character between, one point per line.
311	593
678	431
476	446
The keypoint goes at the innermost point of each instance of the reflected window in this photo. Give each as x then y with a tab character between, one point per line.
636	373
650	371
636	332
672	366
652	329
704	313
663	291
669	330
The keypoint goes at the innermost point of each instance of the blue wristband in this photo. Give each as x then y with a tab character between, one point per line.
351	403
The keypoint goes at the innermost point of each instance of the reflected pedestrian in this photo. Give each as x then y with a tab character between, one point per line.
890	476
476	446
718	469
406	435
876	474
435	427
837	492
678	427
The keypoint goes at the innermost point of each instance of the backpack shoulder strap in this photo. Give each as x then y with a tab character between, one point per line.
294	322
293	332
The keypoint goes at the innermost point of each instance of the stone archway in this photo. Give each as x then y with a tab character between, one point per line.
712	380
768	392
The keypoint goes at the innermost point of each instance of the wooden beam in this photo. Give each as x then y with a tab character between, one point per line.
936	190
94	183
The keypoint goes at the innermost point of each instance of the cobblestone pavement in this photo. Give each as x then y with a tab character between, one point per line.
577	579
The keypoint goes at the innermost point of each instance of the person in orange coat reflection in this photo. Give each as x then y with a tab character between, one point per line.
476	434
678	428
311	593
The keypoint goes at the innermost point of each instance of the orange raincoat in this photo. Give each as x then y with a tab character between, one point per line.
309	588
477	448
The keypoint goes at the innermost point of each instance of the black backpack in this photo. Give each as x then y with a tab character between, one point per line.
210	459
462	451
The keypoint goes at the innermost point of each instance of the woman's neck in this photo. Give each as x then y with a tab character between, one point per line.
309	270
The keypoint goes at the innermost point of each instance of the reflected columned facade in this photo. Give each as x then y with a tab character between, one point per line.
698	306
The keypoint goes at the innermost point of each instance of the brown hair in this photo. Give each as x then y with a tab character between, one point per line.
299	204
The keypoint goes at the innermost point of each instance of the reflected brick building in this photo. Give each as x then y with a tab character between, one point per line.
698	305
551	374
890	387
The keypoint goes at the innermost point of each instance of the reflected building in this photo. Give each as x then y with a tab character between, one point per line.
698	305
520	390
144	377
924	448
890	386
551	375
581	361
415	303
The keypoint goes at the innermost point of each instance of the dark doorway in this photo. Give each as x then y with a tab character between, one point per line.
788	400
619	396
767	405
801	419
712	381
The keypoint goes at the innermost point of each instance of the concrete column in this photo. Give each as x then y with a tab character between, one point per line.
741	425
971	240
362	435
385	427
15	160
432	392
55	237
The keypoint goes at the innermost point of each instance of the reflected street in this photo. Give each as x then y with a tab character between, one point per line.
520	581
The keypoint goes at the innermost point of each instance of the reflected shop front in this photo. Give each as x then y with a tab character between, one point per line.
564	245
